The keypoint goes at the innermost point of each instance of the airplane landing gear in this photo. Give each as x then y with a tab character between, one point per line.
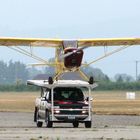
50	80
91	80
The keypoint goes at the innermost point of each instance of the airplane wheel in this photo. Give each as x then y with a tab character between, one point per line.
88	124
49	123
75	124
50	80
38	123
91	80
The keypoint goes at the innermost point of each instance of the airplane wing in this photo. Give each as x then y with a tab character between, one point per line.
5	41
45	42
108	42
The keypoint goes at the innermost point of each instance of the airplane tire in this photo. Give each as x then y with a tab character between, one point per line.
91	80
88	124
75	124
50	80
49	123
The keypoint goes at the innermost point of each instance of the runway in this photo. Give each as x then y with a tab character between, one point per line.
20	126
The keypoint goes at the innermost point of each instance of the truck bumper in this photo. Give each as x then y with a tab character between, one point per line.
70	118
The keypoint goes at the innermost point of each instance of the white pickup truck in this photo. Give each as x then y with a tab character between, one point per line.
63	101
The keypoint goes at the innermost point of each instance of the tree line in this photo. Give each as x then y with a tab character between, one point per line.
13	72
13	77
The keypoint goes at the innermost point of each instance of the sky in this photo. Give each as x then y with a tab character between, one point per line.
71	20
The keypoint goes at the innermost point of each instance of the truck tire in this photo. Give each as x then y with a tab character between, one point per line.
49	123
75	124
38	123
35	113
88	124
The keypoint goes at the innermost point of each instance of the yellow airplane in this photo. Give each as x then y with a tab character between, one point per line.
68	53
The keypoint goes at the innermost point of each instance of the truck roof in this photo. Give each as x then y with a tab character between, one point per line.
61	83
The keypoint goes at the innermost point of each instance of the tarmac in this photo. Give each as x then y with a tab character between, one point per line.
20	126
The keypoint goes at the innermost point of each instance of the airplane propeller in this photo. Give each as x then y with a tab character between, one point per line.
73	52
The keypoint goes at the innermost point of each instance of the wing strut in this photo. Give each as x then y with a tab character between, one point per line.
106	55
83	75
22	51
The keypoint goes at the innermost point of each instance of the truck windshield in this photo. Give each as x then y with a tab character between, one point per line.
68	94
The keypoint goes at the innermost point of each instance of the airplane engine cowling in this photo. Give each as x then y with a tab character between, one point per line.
75	59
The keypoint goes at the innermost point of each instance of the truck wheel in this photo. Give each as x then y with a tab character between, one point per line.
49	123
38	123
35	113
75	124
88	124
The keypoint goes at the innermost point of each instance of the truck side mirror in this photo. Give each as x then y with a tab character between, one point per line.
91	99
87	99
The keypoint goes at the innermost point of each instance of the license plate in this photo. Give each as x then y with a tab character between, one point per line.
71	117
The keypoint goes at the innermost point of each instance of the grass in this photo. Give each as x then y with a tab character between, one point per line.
115	102
104	102
18	101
